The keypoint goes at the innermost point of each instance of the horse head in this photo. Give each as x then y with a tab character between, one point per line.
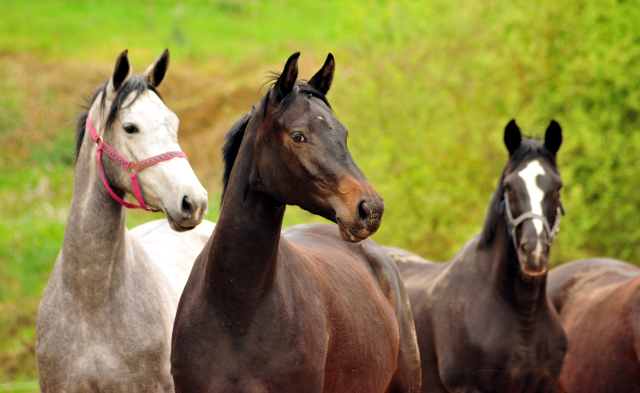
300	154
532	184
138	135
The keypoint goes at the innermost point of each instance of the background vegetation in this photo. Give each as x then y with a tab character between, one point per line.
425	88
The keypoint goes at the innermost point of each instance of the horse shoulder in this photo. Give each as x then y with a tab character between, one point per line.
111	337
356	288
464	333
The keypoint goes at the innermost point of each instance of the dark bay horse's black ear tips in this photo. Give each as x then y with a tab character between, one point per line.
287	79
322	79
121	71
512	136
553	137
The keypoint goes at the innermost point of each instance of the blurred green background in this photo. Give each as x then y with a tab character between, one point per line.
425	88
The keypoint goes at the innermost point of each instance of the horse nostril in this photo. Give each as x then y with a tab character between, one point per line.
363	210
187	206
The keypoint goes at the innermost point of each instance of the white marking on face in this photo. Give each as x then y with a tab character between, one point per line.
320	117
529	175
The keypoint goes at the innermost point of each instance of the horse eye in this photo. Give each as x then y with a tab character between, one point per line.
131	129
299	138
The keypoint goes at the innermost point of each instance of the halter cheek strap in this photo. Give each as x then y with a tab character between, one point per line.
132	167
513	223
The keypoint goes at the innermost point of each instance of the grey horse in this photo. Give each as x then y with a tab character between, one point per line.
105	318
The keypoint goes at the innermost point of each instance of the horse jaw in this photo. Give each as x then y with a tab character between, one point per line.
347	235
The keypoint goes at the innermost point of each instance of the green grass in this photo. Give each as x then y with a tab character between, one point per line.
425	89
31	386
236	30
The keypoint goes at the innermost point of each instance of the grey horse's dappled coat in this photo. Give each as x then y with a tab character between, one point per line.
105	317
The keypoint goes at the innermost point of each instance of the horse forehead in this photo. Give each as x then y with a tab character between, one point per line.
321	117
529	175
531	171
308	106
149	109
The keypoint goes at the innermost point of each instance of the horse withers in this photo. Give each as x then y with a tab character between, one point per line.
105	318
598	301
483	321
314	308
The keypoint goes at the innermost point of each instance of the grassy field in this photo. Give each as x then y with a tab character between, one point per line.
425	89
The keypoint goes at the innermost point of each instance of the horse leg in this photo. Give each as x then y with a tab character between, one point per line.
407	377
431	382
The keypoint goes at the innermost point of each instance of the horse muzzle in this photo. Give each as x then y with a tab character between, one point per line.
365	222
188	214
533	255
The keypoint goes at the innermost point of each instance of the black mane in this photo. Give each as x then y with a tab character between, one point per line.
528	150
233	138
232	141
135	84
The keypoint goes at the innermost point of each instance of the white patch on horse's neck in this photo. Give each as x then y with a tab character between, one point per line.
529	175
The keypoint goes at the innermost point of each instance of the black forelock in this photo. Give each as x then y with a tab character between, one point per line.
528	150
301	87
135	84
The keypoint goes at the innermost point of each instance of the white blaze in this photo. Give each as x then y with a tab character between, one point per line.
529	175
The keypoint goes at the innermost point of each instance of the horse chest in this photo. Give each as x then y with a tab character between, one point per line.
274	351
88	359
115	348
497	353
490	368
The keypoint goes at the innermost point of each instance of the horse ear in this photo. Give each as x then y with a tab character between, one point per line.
512	136
323	78
121	73
553	137
154	74
286	81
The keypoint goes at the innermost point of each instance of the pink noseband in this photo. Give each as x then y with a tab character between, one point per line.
126	164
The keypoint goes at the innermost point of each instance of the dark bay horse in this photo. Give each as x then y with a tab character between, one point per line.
483	321
598	301
105	317
314	308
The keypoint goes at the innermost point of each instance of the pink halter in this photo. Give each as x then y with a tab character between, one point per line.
126	164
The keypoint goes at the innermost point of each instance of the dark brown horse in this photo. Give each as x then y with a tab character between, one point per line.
302	310
483	321
598	301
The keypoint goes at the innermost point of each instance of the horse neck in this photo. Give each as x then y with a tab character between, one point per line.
526	294
242	255
96	246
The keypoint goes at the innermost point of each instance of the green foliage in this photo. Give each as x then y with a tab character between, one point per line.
425	89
